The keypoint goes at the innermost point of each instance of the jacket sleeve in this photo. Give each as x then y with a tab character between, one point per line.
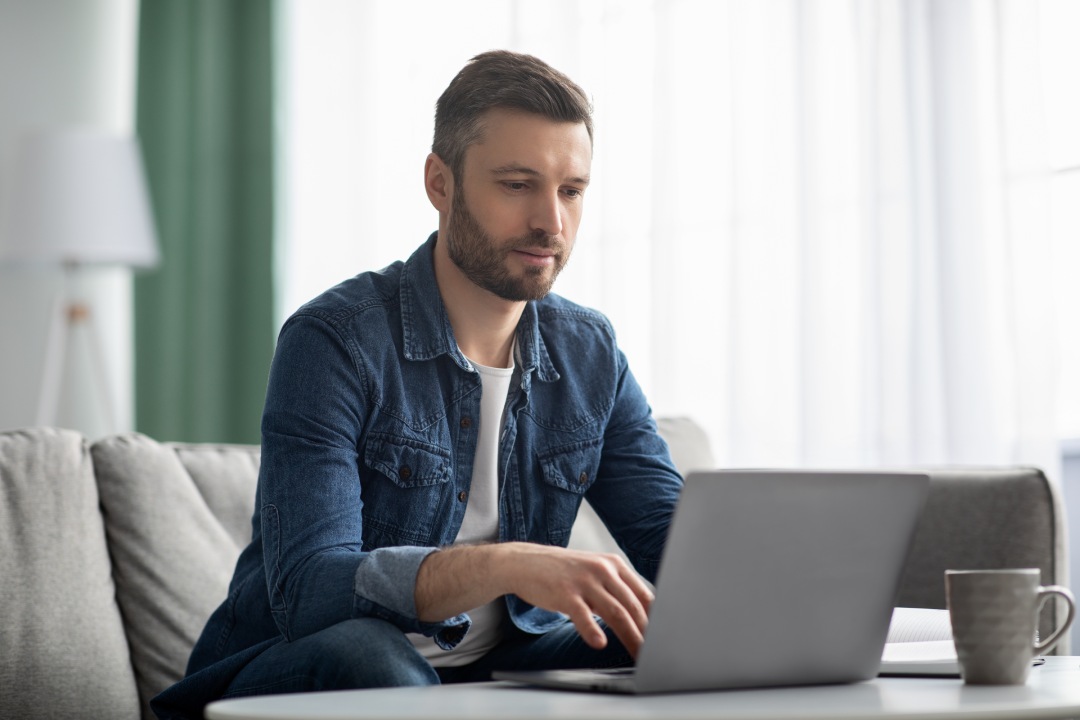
318	572
637	486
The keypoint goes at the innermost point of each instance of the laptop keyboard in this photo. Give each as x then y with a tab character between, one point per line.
616	672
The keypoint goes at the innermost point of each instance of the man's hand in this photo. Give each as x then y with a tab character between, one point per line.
581	585
578	584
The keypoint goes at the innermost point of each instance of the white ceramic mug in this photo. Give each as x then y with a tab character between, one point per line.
995	616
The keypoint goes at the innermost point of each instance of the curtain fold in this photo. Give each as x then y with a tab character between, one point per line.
204	326
818	227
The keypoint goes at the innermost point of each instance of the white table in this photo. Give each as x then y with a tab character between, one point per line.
1052	691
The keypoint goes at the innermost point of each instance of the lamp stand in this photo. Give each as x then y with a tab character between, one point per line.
67	318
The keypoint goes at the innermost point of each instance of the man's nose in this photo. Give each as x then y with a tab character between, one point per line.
547	214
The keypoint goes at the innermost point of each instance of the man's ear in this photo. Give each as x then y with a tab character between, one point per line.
438	182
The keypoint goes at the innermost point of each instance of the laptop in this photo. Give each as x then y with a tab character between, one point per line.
769	578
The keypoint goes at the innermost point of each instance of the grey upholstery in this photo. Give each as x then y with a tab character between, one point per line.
112	556
63	651
979	518
688	443
176	519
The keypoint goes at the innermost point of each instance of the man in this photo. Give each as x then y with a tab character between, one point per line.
431	429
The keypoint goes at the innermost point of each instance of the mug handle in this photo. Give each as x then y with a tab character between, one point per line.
1045	591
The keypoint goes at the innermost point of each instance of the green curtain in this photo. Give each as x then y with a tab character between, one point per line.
204	327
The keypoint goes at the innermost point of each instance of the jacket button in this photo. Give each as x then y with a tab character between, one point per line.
583	478
462	495
466	422
405	472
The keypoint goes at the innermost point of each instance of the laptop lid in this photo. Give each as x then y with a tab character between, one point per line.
773	578
779	578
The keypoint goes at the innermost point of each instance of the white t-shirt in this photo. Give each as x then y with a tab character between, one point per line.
481	521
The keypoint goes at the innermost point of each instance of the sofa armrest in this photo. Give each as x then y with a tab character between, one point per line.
982	518
63	651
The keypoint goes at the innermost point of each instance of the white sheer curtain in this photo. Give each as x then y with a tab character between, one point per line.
819	227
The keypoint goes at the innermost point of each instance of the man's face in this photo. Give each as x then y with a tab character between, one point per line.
516	209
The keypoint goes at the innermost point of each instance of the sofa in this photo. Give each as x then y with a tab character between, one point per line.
114	553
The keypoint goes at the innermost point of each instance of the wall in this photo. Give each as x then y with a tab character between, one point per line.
64	62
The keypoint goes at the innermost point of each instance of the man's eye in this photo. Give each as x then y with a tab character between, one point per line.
515	185
573	192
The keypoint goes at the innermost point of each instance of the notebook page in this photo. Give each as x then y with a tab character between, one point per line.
919	625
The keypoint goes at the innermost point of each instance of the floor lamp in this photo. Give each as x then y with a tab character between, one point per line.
79	198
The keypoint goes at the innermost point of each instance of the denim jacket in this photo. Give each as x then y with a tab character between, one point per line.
369	435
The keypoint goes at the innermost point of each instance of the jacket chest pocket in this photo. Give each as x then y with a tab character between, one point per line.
404	490
567	472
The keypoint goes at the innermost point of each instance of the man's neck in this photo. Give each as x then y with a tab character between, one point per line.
484	324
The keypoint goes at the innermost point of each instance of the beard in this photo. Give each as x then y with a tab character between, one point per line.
484	261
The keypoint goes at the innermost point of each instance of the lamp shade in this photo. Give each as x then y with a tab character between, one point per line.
79	197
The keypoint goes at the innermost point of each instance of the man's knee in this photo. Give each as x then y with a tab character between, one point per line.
354	654
368	653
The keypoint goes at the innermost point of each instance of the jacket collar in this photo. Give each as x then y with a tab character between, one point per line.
426	329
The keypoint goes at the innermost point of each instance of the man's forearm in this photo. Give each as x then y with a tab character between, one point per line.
458	579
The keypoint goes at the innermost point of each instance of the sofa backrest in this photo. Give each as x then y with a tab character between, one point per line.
985	518
63	651
131	543
177	516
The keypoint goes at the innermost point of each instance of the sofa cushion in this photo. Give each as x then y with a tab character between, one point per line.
226	476
177	517
688	443
987	517
62	641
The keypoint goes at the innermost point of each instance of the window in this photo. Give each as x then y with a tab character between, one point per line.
765	226
1060	59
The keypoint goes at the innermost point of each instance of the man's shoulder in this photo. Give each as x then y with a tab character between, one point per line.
374	290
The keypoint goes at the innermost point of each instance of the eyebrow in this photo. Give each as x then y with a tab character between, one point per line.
525	170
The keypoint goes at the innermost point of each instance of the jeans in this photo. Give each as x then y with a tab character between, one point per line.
371	653
558	649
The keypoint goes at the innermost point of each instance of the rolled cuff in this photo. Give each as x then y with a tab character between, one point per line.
385	587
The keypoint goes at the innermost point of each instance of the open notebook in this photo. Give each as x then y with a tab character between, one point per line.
920	643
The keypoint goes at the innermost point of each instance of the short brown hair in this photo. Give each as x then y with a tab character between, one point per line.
502	79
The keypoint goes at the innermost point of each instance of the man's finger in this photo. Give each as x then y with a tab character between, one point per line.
623	623
629	591
637	584
587	627
635	606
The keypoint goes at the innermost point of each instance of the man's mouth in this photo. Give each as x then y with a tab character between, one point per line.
537	256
